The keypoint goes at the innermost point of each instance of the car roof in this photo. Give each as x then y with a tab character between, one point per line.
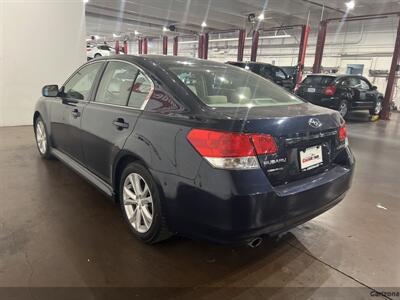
150	60
251	63
336	75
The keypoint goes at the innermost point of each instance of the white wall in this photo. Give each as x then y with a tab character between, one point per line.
41	42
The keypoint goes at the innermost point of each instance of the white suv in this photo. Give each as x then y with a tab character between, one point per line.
93	51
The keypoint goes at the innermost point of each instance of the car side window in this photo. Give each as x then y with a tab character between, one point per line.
140	91
267	72
116	83
80	85
365	85
279	73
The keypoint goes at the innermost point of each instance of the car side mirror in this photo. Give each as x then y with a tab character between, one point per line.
374	88
50	91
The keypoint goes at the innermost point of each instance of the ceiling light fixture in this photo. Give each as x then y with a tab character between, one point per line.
261	17
350	5
204	24
116	35
164	29
85	1
136	32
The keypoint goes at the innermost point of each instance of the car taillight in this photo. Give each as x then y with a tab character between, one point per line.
330	90
229	150
342	133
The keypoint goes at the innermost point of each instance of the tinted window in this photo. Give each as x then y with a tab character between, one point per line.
267	72
226	86
104	48
140	91
116	83
279	73
318	80
80	85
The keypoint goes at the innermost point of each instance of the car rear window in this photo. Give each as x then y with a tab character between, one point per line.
227	86
318	80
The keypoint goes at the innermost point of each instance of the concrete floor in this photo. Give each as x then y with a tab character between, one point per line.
56	230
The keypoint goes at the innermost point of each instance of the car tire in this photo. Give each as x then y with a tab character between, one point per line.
42	138
378	108
343	108
97	55
141	204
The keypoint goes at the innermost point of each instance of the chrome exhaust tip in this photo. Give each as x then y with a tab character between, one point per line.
254	243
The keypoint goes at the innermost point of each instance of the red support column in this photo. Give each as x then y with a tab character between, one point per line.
205	45
319	52
385	113
254	45
200	47
165	45
242	40
117	47
305	32
126	47
175	47
140	44
145	45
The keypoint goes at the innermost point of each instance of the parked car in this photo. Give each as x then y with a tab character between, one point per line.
93	51
291	72
268	71
195	147
343	93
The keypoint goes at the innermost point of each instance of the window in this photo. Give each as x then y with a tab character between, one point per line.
104	47
140	91
279	74
116	83
227	86
267	72
318	80
353	82
80	85
365	85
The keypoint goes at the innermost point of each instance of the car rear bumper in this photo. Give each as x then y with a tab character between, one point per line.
238	207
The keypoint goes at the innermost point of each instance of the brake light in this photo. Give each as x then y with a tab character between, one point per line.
229	150
343	133
330	90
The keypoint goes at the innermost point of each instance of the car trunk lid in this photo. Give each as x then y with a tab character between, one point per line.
301	132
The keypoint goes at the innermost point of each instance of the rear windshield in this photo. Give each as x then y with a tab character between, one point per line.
318	80
227	86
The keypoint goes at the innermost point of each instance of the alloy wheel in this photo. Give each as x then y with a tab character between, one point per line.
138	202
41	137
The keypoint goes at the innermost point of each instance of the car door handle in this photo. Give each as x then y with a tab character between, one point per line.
120	124
75	113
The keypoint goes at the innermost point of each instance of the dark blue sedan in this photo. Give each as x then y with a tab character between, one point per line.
195	147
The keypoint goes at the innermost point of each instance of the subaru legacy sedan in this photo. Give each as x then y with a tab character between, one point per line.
196	148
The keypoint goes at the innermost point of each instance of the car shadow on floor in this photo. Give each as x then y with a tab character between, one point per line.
86	236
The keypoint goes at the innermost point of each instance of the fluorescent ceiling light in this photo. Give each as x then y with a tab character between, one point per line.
350	5
136	32
204	24
261	17
116	35
85	1
164	29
